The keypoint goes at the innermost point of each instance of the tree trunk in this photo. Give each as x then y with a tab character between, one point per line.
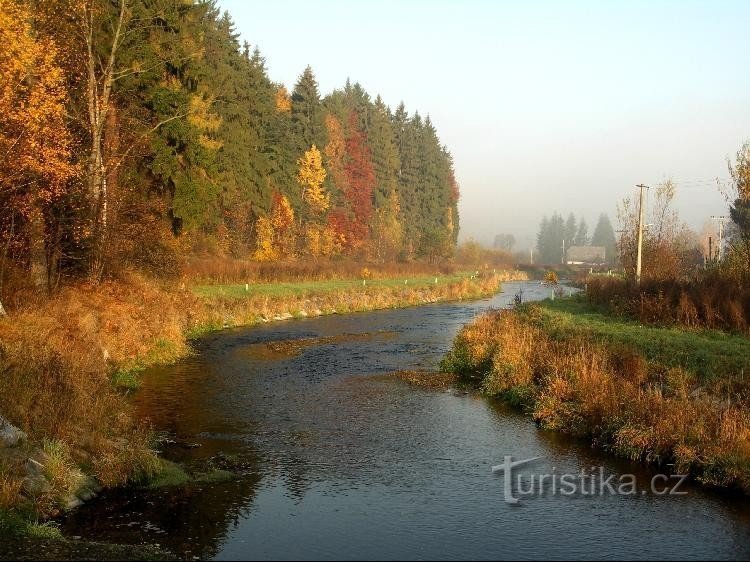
99	91
2	310
37	249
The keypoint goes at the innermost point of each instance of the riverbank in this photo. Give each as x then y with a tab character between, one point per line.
69	363
665	396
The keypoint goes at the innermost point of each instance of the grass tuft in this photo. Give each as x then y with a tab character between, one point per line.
657	395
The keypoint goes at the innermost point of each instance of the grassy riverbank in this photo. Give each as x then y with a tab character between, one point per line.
659	395
68	363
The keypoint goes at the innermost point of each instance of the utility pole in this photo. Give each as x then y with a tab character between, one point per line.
563	252
531	254
641	210
722	221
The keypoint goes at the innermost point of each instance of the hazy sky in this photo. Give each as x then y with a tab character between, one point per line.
545	105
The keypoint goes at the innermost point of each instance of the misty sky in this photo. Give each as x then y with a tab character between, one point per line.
545	105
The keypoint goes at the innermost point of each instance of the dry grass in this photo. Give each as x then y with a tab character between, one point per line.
228	270
611	395
715	302
59	361
10	491
428	380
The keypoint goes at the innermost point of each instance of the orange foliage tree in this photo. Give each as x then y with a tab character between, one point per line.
35	145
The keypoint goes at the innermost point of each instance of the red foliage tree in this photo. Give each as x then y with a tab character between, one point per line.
360	174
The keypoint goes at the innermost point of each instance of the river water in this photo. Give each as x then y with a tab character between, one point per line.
342	461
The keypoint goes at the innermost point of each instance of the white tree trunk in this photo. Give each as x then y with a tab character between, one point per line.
2	310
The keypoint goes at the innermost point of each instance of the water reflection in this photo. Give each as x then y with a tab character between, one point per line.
342	463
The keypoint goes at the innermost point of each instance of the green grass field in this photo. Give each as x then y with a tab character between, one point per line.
706	353
320	287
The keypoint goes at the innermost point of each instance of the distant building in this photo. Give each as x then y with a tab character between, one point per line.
586	255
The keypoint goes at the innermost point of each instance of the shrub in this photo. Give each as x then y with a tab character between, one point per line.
712	302
611	395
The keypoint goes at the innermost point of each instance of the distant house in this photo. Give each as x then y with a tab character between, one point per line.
586	255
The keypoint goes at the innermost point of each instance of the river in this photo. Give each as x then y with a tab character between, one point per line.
341	461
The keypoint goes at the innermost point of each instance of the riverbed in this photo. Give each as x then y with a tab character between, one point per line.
341	460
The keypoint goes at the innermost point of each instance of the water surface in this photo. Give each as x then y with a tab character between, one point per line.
342	462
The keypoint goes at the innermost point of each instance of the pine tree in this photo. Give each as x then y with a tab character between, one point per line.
582	235
604	235
571	229
307	112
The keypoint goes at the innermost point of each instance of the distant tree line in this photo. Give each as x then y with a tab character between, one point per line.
557	234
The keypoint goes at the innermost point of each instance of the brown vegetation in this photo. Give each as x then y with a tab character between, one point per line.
611	395
228	270
715	301
428	380
59	362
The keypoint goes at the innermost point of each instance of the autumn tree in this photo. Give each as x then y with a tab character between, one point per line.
310	177
739	209
360	184
387	233
335	151
35	145
283	100
669	247
282	220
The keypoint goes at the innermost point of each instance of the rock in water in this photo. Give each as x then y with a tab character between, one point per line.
10	435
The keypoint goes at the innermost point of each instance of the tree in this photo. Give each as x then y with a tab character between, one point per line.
311	176
283	100
739	209
282	220
385	157
307	112
134	132
550	239
101	74
669	247
582	235
505	242
571	229
604	235
361	183
387	232
335	152
35	144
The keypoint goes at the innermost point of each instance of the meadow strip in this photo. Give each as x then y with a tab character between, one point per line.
606	381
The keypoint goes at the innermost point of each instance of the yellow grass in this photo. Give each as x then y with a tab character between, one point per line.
62	362
611	395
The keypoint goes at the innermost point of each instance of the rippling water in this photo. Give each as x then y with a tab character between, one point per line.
343	463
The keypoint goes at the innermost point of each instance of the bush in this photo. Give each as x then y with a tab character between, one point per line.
610	394
713	302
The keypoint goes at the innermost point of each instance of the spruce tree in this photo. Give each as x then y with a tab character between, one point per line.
604	235
307	112
582	236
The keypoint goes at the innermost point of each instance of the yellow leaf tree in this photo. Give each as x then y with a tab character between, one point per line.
264	243
283	101
335	151
311	176
387	231
35	144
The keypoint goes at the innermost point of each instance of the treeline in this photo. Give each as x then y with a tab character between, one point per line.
135	132
556	235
